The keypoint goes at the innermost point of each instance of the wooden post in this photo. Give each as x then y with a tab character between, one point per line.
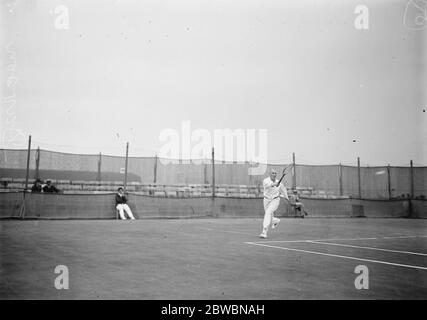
412	181
155	169
28	163
126	167
294	176
22	209
213	172
340	178
37	175
205	173
99	169
389	181
359	178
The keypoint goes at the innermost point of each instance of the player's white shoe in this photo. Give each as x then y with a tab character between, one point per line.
263	235
275	224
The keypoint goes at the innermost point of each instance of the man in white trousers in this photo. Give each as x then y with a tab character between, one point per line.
122	206
273	191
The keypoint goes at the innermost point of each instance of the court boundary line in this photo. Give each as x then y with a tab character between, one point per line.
339	239
307	240
368	248
338	256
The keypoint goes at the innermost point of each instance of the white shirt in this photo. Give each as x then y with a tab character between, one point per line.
273	192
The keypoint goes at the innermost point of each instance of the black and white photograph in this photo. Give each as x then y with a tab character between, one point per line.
233	152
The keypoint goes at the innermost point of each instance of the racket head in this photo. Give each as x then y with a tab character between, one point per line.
286	171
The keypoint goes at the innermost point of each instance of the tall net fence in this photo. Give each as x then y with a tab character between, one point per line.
375	182
324	178
368	182
401	180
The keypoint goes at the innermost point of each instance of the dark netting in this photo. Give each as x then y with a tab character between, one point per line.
325	178
16	159
113	164
140	169
231	173
143	168
350	181
374	182
102	206
400	178
10	204
386	208
419	208
152	207
173	172
67	161
70	206
420	180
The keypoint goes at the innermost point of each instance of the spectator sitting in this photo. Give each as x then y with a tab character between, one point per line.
37	187
49	188
122	206
295	202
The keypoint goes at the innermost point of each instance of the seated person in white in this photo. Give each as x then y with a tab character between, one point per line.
121	205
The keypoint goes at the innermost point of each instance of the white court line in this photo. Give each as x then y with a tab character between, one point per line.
307	240
400	237
369	248
339	256
338	239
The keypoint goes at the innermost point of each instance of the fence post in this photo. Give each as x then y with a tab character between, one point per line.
213	172
205	173
412	181
98	178
37	175
28	164
294	176
155	169
22	209
340	178
389	181
359	178
126	166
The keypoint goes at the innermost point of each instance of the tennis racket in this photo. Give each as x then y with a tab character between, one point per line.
284	172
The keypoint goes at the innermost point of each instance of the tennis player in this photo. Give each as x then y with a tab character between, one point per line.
273	191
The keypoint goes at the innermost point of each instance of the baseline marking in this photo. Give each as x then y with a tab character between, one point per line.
338	239
273	241
368	248
402	237
339	256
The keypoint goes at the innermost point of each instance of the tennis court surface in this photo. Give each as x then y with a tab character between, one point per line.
311	258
